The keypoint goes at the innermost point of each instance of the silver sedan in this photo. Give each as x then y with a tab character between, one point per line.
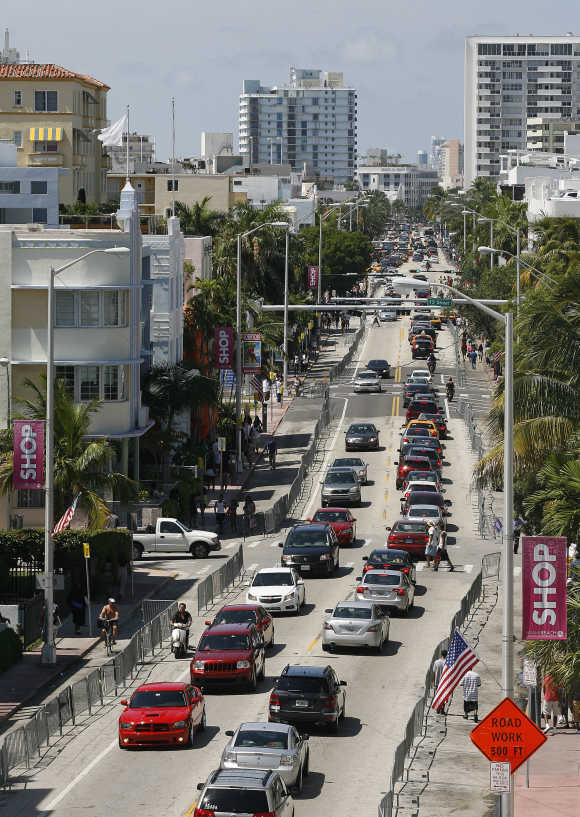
388	588
367	381
276	746
355	624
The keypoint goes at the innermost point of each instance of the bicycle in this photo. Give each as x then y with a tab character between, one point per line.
107	626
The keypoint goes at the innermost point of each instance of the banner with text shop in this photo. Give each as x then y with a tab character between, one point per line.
313	273
224	347
28	454
544	569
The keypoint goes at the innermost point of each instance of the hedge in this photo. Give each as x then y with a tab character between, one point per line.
112	546
10	649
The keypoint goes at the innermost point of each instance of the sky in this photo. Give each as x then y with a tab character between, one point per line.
404	57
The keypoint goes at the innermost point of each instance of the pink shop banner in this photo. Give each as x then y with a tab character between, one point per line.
28	454
224	347
544	571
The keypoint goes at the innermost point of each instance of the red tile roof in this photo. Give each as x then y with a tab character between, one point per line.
47	71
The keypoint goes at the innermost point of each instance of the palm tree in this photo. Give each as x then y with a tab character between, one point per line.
558	498
198	219
82	466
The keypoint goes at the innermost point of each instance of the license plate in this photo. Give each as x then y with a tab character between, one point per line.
304	567
409	541
301	704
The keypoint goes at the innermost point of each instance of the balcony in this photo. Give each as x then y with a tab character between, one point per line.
45	160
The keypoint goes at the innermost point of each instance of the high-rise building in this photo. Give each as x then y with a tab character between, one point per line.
311	122
435	153
422	158
547	135
451	164
409	183
507	80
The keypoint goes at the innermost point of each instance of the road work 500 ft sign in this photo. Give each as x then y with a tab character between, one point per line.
507	735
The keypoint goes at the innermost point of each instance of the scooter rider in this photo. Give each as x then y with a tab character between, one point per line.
431	363
183	616
450	388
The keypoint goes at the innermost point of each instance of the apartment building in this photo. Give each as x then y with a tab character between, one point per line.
451	164
507	81
547	135
27	194
409	183
312	123
141	154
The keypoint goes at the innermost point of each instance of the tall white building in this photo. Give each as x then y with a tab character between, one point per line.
435	152
408	183
507	80
312	121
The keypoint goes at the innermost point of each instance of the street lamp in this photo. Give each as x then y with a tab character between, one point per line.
508	493
490	222
48	654
285	225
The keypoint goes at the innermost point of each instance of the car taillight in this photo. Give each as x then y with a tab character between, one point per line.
405	570
360	590
263	814
400	591
274	702
203	812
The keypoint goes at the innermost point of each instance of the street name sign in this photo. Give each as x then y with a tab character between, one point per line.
507	735
439	301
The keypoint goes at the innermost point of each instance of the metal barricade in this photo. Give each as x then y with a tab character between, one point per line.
490	565
80	697
150	608
52	712
204	593
65	707
95	689
16	750
107	673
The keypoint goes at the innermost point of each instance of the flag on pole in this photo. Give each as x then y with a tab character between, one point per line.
460	659
65	519
113	135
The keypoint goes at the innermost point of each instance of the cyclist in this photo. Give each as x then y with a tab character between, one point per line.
450	388
431	363
272	448
109	613
183	616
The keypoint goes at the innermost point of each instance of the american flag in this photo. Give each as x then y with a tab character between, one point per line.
460	659
65	519
256	385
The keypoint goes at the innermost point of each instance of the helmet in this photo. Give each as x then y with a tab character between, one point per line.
111	601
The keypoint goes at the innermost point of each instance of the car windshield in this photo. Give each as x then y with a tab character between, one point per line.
230	641
380	556
348	462
380	363
234	801
262	738
362	428
430	487
281	579
300	683
422	476
345	611
157	699
367	376
416	431
236	617
382	578
339	477
409	527
331	516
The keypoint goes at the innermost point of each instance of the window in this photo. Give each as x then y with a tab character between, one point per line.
114	307
17	138
46	147
89	314
315	100
10	187
173	186
45	101
39	215
38	188
17	99
67	374
111	382
88	383
28	498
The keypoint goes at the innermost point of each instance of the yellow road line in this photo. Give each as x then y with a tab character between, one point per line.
311	647
384	515
393	407
190	810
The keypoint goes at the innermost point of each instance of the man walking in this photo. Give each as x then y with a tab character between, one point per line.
470	683
551	706
442	552
437	670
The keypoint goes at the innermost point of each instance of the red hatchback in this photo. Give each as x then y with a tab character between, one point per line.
407	464
247	614
229	654
166	713
340	520
410	535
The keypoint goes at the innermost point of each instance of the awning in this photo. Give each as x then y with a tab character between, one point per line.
45	134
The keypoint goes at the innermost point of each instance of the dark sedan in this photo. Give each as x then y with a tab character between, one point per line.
381	367
361	437
413	389
391	559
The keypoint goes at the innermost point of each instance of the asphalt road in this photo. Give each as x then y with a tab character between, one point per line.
349	771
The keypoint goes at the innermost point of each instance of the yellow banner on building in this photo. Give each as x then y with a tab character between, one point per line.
45	134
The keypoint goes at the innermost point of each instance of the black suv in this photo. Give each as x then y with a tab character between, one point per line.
308	695
311	549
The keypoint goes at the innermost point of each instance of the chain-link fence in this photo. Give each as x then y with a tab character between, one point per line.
21	747
216	583
416	724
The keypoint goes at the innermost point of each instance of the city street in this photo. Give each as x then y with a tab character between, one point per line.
92	775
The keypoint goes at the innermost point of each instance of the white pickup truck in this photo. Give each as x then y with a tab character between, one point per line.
173	536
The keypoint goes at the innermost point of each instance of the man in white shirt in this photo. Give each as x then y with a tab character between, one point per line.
470	683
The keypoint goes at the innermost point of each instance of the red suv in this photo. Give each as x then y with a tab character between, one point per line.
229	654
420	405
411	464
410	535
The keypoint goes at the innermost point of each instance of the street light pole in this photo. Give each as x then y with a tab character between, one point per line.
239	352
319	260
492	257
285	362
518	263
464	232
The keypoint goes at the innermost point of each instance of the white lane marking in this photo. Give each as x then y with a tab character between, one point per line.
362	354
420	566
231	546
467	568
517	571
447	411
87	770
327	458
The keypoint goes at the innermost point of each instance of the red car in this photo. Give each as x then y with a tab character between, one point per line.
166	713
410	535
247	614
408	464
420	405
229	654
340	520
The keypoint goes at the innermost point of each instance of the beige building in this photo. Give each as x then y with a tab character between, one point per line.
547	134
451	163
52	114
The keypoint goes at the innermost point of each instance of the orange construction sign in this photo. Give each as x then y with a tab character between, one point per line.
507	735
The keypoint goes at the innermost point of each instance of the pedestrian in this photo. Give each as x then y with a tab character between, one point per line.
304	361
202	510
233	515
297	386
574	697
296	364
473	357
257	425
266	389
279	390
470	683
551	706
480	352
518	523
437	670
432	542
463	349
220	513
210	478
442	552
249	511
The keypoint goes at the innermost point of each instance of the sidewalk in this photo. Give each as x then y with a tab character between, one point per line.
21	683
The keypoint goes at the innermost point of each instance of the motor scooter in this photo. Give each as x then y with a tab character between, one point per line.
179	639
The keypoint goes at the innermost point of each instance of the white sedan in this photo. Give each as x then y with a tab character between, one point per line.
419	373
367	381
278	589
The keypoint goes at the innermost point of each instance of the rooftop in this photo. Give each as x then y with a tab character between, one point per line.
46	71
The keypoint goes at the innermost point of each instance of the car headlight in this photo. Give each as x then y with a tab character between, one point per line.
242	664
287	760
127	725
324	557
372	439
214	539
286	558
353	490
179	724
198	665
289	596
252	596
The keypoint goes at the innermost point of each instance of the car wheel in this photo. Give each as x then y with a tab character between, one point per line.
202	723
191	737
306	767
137	552
253	682
299	782
199	550
326	647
